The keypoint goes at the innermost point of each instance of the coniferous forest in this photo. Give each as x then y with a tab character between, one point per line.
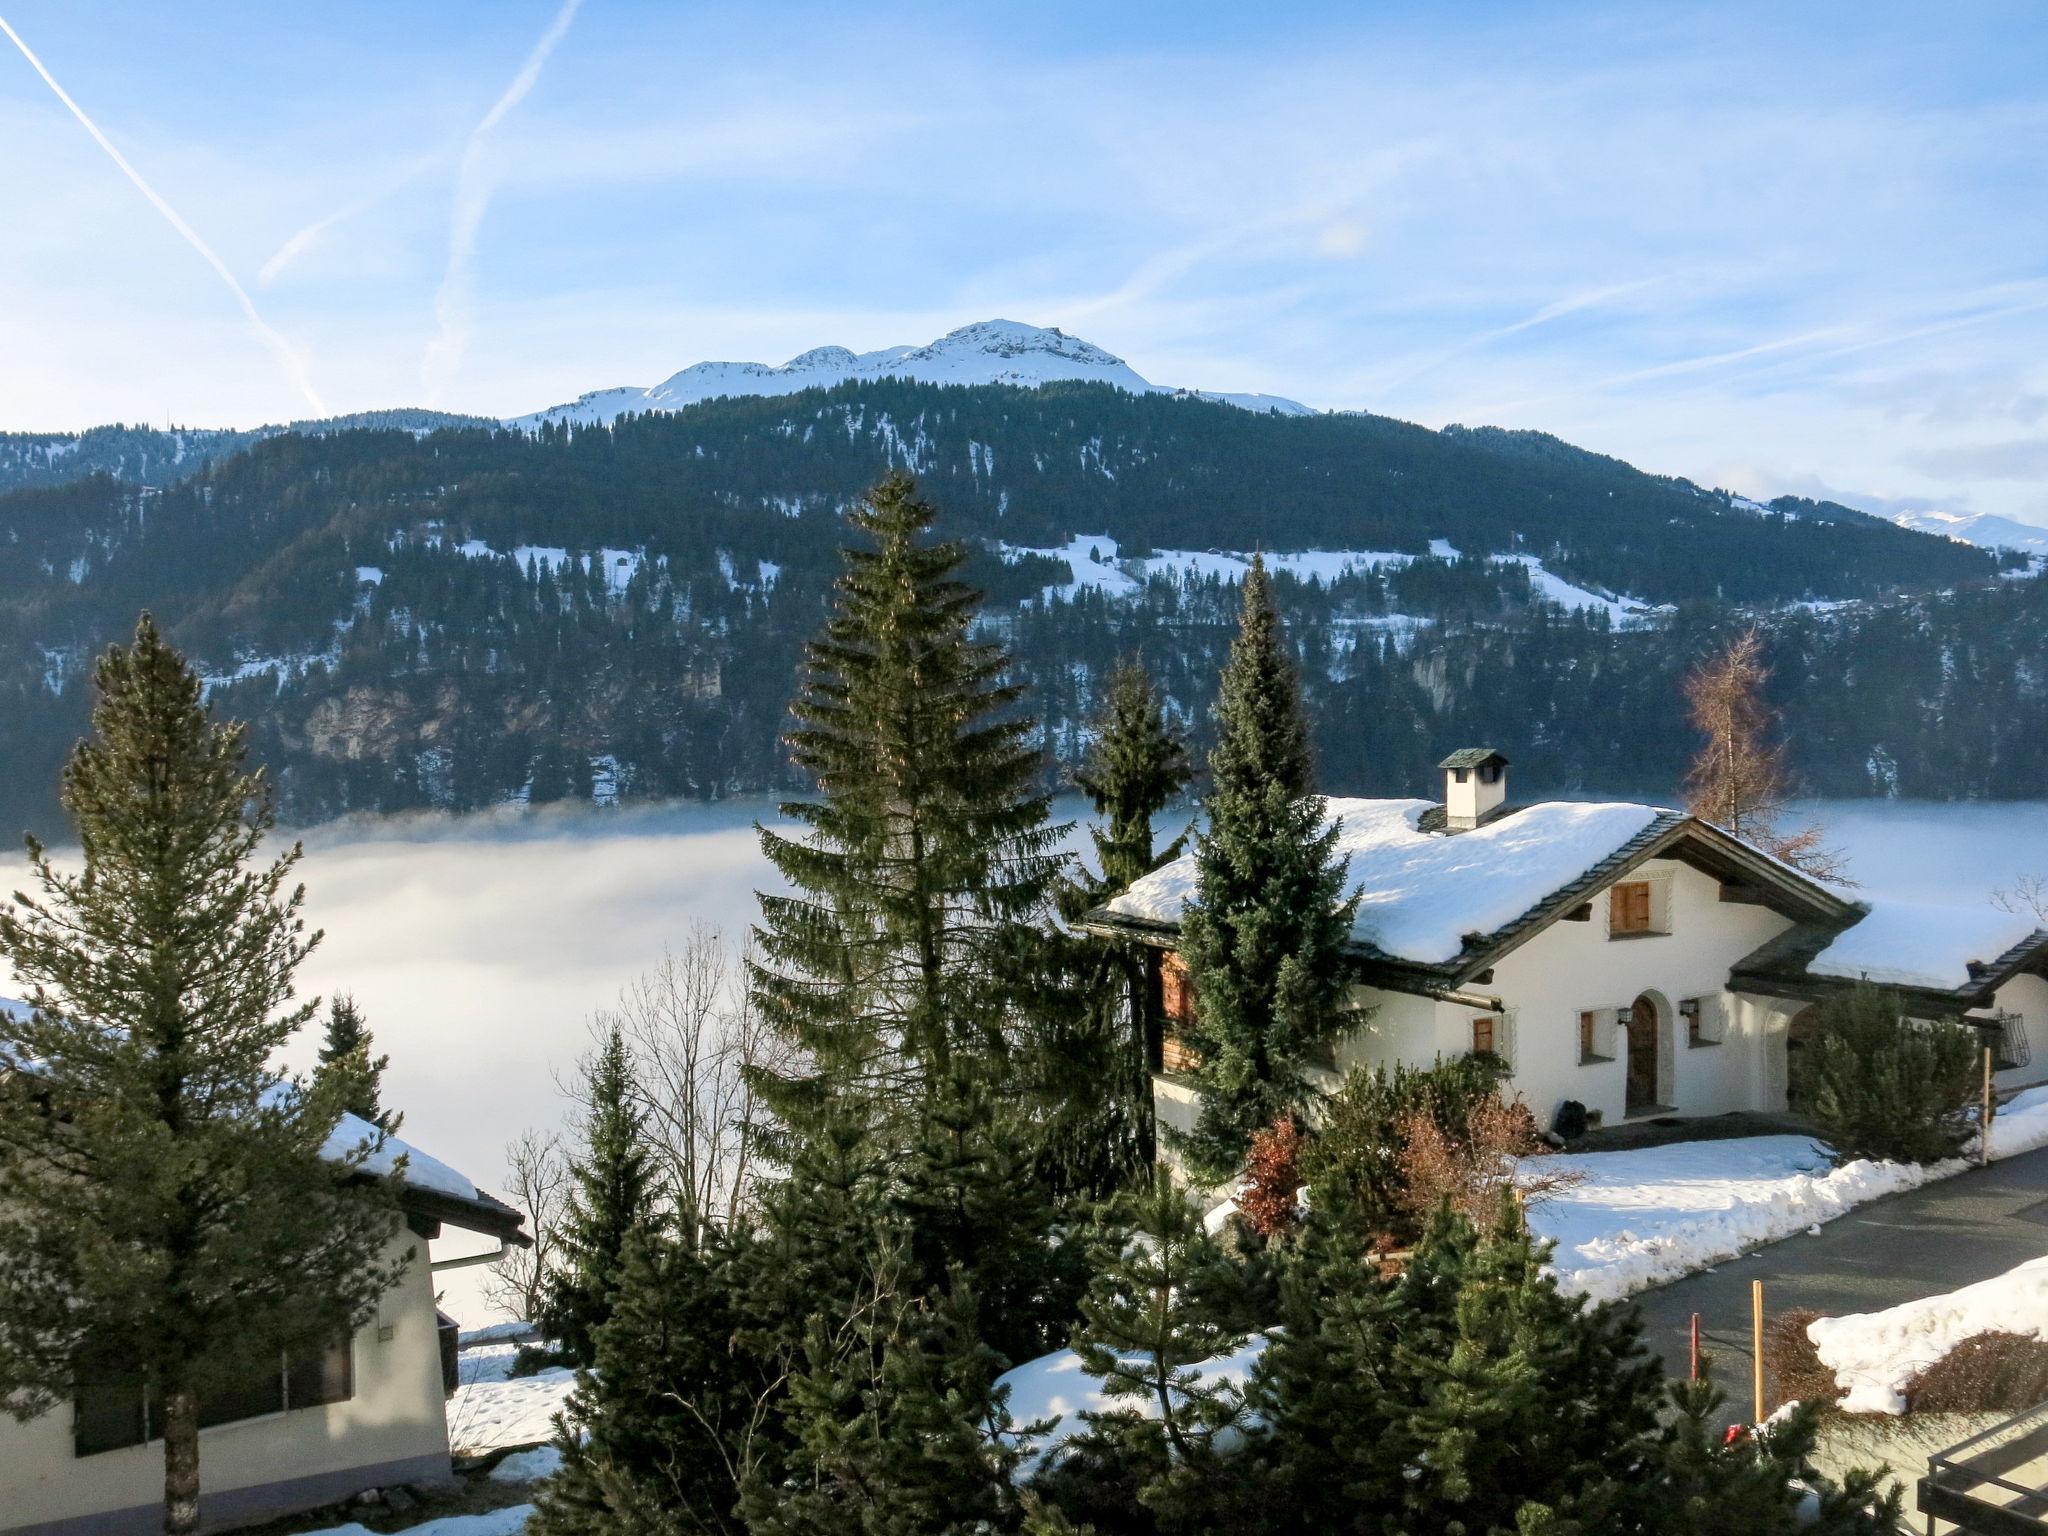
466	616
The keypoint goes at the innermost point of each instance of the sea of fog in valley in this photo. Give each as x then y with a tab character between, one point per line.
479	947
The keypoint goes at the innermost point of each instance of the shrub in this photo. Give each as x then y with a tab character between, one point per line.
1882	1085
1471	1166
1990	1373
1353	1165
1272	1179
1797	1372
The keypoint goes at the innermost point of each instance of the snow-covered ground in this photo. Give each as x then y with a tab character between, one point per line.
1875	1354
493	1408
1055	1388
497	1522
1642	1217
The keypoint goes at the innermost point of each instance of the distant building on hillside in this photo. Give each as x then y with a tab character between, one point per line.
300	1431
1635	960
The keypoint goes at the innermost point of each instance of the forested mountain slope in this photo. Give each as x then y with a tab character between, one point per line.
471	615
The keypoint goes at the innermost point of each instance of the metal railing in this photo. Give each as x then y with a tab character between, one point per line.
1993	1484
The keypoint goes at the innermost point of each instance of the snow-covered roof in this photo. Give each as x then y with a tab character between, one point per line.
352	1132
1420	893
1914	944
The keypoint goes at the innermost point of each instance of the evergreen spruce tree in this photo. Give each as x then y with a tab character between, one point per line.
898	1427
655	1433
1137	763
1263	940
927	853
1521	1396
971	1211
347	1050
614	1195
167	1213
1168	1300
1707	1485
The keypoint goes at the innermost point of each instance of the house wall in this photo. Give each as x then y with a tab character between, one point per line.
393	1430
1575	965
2026	996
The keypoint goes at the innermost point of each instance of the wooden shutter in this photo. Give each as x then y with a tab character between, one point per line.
1629	907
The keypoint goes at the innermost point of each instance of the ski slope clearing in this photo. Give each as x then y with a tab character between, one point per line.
1643	1217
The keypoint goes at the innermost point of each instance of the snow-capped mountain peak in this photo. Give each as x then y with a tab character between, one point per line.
987	352
1987	530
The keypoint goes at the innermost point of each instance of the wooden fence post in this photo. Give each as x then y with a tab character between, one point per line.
1984	1117
1756	1318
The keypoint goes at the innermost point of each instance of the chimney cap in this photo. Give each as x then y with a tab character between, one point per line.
1473	757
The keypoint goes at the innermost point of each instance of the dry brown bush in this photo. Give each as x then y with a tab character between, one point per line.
1794	1365
1471	1165
1272	1179
1992	1372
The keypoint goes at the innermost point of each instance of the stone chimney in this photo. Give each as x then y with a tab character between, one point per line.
1475	786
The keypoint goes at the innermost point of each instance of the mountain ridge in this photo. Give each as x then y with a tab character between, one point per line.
983	352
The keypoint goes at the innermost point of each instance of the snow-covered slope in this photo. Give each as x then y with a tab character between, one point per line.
1986	530
989	352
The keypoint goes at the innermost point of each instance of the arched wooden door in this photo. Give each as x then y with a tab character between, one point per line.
1645	1038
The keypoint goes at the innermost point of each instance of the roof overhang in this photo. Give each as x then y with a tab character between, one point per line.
437	1208
1672	835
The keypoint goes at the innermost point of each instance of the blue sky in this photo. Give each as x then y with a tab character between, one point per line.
1771	247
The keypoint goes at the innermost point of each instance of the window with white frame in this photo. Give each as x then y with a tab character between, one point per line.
1596	1036
1705	1020
1494	1033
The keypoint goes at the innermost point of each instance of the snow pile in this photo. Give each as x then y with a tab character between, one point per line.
1058	1388
543	1461
988	352
1642	1217
1420	892
1915	944
496	1522
2020	1124
1875	1354
492	1408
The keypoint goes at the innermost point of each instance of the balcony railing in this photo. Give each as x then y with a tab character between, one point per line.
1993	1484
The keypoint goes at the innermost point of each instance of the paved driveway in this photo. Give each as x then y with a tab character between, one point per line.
1920	1243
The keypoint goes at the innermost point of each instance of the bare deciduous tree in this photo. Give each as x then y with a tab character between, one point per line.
538	1182
697	1040
1738	779
2029	893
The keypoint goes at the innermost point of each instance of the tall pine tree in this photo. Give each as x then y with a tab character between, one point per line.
1263	939
166	1210
615	1195
926	859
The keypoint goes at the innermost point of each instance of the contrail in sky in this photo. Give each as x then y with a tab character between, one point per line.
472	196
287	356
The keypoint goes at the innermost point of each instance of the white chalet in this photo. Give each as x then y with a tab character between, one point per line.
301	1430
1636	960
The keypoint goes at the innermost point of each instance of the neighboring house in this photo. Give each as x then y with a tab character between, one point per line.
1636	960
300	1432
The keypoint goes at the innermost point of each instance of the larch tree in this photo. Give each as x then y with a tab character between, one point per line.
171	1213
1263	940
925	860
1738	781
612	1195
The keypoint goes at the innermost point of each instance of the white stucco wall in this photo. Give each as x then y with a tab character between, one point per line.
395	1416
2026	996
1571	967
